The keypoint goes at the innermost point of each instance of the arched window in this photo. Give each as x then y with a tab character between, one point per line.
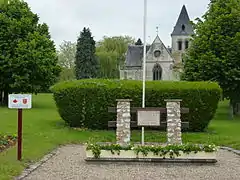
186	44
157	53
157	72
183	27
137	75
180	45
125	74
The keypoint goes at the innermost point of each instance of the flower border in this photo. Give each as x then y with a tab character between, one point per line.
7	141
159	150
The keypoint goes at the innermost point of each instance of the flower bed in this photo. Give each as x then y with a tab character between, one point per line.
187	151
7	141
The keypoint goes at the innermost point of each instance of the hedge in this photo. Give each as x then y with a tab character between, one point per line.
84	103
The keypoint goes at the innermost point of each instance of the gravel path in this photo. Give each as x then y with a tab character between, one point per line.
69	163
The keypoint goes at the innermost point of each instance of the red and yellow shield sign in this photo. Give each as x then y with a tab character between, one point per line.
24	101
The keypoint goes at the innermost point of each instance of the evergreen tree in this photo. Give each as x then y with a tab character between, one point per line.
215	48
86	63
139	42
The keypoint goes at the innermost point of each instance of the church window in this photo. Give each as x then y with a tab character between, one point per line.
157	72
183	60
157	53
183	27
186	44
125	74
179	45
137	75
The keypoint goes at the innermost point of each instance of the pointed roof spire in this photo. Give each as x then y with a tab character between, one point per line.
183	25
157	39
139	42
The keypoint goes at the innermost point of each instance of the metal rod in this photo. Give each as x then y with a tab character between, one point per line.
144	61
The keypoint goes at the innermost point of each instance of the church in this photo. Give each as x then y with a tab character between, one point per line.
160	60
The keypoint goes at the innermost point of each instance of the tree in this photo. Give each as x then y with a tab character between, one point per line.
118	44
3	2
111	54
139	42
66	58
28	60
86	61
66	54
108	64
215	49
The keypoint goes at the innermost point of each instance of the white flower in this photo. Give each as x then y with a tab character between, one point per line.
132	148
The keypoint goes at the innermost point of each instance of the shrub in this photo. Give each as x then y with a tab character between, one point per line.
7	141
84	103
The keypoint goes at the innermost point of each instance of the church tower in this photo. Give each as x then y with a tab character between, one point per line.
181	35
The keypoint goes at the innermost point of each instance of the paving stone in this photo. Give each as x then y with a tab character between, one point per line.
68	164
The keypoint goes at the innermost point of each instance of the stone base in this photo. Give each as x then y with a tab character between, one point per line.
152	160
130	156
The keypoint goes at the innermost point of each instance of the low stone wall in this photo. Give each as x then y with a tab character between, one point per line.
123	132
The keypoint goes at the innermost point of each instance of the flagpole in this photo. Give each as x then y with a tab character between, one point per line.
144	61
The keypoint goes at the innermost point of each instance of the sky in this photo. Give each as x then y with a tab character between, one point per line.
67	18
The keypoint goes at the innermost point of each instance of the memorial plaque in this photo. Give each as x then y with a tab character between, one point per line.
148	118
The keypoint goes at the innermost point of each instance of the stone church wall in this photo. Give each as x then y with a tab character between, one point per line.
131	74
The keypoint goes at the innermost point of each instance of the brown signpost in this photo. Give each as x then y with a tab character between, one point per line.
19	149
19	102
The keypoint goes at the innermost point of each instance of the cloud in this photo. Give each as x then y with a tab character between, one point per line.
66	18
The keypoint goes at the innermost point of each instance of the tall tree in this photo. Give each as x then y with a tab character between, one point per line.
3	2
66	54
28	60
86	62
111	53
215	50
108	64
66	57
118	44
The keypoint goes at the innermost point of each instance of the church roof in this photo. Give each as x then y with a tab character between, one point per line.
135	55
183	25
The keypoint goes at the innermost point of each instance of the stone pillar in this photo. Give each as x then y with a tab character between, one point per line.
174	133
123	132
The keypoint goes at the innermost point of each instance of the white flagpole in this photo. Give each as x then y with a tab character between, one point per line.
144	62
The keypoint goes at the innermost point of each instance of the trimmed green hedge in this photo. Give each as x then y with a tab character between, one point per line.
84	103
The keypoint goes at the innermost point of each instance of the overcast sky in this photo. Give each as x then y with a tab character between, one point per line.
66	18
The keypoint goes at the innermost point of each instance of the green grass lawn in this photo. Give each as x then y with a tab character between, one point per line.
43	130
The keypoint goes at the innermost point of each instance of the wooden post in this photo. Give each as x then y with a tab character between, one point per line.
19	149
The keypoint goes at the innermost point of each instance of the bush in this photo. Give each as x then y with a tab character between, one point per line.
6	141
84	103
